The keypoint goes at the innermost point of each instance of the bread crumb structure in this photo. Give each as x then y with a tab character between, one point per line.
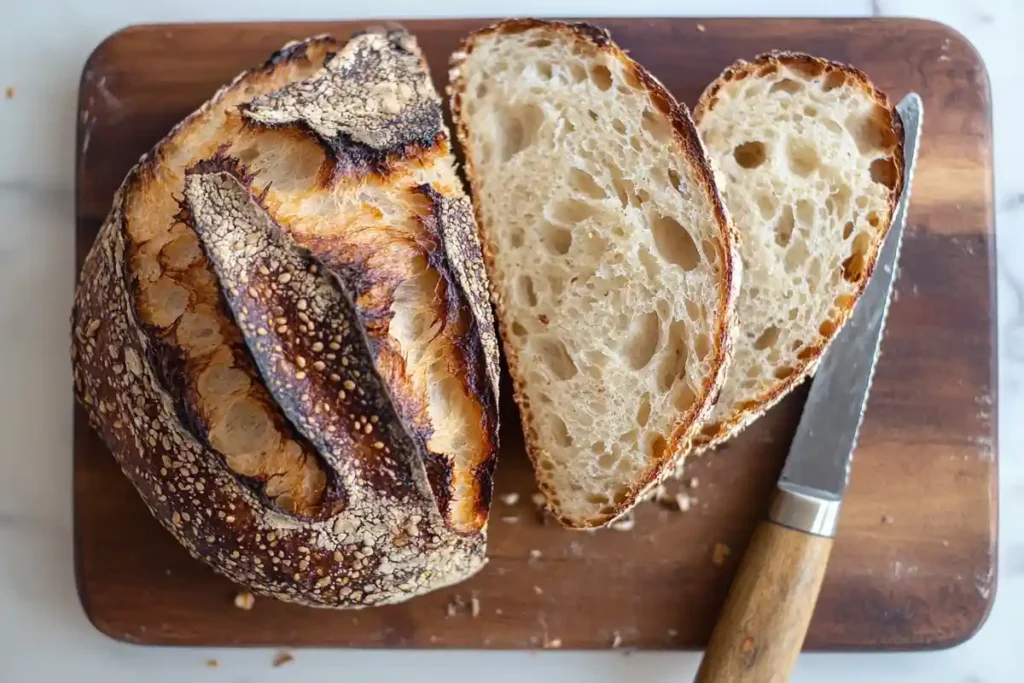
809	158
610	252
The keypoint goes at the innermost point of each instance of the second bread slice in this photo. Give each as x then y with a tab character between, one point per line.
610	252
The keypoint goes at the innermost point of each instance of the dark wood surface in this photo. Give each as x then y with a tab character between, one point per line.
914	562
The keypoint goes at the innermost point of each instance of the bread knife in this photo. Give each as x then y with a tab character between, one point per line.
762	626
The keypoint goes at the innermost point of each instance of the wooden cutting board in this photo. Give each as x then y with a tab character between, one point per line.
914	563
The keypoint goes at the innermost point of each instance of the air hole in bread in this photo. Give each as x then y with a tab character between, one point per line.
656	445
673	178
672	366
786	85
650	263
598	498
560	432
793	312
621	493
847	230
579	74
796	255
701	346
618	126
656	125
767	339
674	243
644	335
516	237
593	115
871	132
572	211
862	202
710	249
833	126
784	227
582	181
883	171
601	76
518	330
556	285
805	212
544	70
643	413
782	372
519	128
710	430
684	397
767	70
827	328
803	158
810	111
853	267
527	294
553	354
547	465
833	79
623	188
634	143
692	310
750	154
767	205
873	219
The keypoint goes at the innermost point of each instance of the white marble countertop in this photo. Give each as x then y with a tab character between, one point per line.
44	635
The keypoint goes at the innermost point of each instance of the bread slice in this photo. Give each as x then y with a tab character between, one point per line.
283	333
809	158
610	252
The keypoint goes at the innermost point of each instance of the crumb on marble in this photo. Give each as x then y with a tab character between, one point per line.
245	600
282	658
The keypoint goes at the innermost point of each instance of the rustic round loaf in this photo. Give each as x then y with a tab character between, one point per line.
282	332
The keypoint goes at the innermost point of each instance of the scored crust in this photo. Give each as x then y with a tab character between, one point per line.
722	427
690	148
331	468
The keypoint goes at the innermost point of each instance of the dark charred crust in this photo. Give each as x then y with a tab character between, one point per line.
294	51
354	557
371	101
227	214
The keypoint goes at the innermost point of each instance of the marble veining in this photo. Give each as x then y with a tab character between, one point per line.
44	45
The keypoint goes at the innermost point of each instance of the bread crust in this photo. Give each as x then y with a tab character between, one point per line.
714	435
692	149
382	527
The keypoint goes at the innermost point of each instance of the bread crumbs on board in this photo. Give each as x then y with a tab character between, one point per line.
282	658
720	552
245	600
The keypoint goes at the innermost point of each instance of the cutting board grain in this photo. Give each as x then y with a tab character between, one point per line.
914	563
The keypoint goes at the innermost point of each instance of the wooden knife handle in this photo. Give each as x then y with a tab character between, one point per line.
762	626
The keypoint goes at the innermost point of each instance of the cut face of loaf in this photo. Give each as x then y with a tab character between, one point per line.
610	254
282	332
809	157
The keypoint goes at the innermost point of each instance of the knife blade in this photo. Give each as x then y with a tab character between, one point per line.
817	468
762	626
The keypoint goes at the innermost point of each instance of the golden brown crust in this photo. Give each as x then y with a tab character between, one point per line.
763	65
374	525
692	150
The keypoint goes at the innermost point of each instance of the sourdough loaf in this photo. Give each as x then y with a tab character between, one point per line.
809	157
296	365
610	253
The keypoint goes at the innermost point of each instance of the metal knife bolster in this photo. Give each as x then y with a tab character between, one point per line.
810	490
